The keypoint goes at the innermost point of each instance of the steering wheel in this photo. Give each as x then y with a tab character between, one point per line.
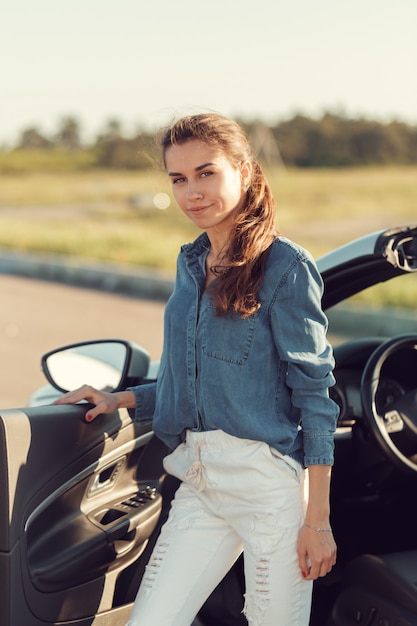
400	415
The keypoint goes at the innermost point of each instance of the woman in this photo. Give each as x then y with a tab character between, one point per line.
241	398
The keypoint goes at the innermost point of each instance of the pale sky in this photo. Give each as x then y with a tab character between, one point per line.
147	62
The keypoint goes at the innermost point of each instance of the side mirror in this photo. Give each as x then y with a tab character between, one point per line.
108	365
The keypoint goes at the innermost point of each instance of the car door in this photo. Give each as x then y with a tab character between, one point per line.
80	505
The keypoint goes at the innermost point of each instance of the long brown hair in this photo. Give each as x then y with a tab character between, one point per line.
241	269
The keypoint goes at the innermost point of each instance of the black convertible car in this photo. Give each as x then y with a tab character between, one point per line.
81	504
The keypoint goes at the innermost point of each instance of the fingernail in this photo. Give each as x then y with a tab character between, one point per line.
304	574
88	417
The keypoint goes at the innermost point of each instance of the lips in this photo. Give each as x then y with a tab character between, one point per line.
196	210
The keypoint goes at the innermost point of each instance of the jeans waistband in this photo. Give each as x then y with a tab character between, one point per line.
219	440
216	439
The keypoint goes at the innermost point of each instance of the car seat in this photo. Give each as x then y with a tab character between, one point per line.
378	591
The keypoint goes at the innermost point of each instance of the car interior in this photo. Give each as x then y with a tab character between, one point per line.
81	504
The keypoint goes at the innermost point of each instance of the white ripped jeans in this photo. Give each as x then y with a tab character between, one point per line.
236	495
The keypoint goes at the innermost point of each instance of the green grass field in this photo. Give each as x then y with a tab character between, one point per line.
90	214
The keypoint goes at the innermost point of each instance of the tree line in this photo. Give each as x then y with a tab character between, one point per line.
332	140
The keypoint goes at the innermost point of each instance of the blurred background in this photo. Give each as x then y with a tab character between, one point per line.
326	91
144	62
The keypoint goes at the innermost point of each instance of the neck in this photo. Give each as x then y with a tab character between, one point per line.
218	242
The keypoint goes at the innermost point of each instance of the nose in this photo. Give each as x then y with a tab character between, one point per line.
193	192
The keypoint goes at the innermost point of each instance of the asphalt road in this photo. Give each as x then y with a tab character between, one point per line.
37	316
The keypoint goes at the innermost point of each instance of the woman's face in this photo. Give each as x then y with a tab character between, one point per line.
206	186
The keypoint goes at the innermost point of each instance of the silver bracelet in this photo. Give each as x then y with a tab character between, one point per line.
319	530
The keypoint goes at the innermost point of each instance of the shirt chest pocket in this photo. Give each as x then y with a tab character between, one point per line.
228	338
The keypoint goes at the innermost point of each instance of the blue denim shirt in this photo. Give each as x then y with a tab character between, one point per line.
264	378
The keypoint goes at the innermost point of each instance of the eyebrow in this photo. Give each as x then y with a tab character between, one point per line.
197	169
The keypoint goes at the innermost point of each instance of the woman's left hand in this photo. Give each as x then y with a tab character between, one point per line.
316	551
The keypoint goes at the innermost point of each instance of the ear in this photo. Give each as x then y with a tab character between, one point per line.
245	174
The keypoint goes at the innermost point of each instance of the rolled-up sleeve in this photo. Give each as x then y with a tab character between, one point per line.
299	329
145	396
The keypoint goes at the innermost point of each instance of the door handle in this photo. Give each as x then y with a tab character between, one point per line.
105	478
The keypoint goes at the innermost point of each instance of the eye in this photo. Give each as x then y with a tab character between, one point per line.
206	173
175	181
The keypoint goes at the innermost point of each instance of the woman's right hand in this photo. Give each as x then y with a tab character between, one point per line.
104	401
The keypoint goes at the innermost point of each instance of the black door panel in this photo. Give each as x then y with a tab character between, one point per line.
66	546
75	513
